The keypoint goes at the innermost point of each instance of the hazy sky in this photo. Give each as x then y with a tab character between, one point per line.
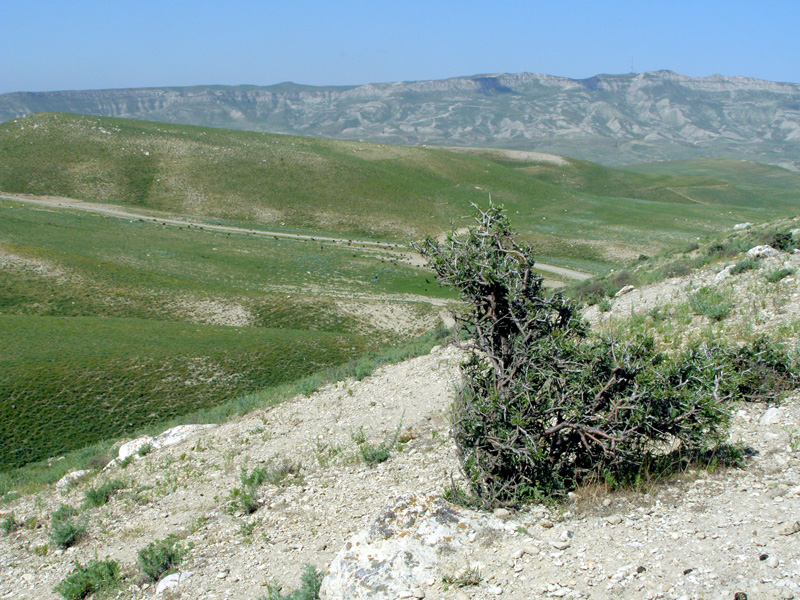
76	44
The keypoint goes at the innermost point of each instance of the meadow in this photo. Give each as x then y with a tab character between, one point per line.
108	325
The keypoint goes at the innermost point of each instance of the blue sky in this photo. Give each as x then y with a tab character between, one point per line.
58	45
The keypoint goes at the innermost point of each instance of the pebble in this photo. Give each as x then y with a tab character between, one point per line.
789	528
787	594
501	513
773	416
772	561
614	520
546	523
494	590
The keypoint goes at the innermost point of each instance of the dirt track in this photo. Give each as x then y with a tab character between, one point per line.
115	211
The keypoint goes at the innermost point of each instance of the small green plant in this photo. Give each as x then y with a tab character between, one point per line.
8	524
746	264
373	455
780	240
545	404
246	529
41	550
94	497
64	531
95	578
604	305
468	577
126	461
145	449
455	495
245	498
161	556
794	439
311	581
776	275
710	303
358	436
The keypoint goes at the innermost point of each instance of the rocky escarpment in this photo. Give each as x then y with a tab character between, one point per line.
611	119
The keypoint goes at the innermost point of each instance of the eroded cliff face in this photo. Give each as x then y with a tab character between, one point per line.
611	119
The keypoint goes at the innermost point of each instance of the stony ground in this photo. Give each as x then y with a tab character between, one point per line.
709	534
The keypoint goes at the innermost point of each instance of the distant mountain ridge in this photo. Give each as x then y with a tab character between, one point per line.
611	119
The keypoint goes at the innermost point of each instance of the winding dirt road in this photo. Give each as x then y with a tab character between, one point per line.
115	211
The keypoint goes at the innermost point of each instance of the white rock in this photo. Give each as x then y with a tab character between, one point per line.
741	226
724	274
177	434
789	528
132	448
70	479
494	590
773	416
404	548
168	438
625	290
772	561
762	251
171	581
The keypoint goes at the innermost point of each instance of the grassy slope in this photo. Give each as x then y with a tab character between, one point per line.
580	214
731	181
123	321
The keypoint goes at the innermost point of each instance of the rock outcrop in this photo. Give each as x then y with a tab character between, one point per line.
611	119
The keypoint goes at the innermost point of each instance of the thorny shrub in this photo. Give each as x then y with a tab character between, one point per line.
545	405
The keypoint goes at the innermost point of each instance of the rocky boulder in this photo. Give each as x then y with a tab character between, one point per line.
411	545
168	438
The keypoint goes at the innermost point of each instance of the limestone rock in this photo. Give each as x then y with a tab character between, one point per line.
773	416
724	274
413	540
171	581
70	479
761	251
625	290
789	528
168	438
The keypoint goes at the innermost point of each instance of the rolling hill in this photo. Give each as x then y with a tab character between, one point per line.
574	212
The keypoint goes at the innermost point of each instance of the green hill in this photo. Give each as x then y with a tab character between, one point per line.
108	324
573	212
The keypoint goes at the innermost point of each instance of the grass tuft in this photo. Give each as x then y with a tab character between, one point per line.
161	556
96	577
94	497
311	581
